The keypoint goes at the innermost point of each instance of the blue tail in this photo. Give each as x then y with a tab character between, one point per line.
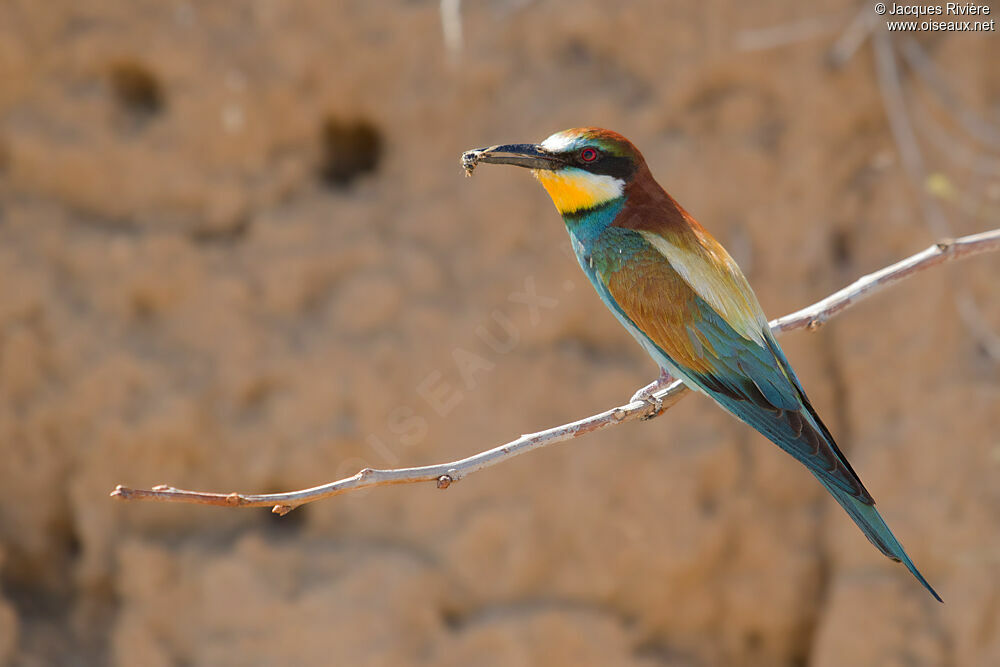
875	529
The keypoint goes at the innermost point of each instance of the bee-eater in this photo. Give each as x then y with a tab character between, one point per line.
681	295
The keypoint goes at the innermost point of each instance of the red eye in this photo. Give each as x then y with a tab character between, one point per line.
588	155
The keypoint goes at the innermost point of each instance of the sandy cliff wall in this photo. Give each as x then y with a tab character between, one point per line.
235	240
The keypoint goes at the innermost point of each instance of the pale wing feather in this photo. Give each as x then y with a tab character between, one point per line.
716	278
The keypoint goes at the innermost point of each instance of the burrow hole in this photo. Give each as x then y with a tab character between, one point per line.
350	149
136	89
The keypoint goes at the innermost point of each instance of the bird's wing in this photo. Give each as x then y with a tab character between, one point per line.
708	269
698	309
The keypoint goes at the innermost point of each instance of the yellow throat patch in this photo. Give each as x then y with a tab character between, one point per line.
575	189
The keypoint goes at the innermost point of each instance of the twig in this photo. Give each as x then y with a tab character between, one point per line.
980	129
902	131
942	251
451	25
857	32
973	319
897	113
955	148
444	474
764	39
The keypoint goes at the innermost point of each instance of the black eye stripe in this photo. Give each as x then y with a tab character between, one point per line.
611	165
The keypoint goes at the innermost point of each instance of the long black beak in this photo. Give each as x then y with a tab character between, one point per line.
521	155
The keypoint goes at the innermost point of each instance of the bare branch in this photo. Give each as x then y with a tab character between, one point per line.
763	39
854	36
944	250
444	474
924	66
897	113
451	24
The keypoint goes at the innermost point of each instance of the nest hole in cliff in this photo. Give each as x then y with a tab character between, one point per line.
350	148
136	89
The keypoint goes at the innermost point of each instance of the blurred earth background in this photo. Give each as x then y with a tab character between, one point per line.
237	252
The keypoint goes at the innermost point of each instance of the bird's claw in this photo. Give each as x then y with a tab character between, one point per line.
656	405
648	395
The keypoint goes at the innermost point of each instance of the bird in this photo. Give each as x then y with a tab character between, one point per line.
678	292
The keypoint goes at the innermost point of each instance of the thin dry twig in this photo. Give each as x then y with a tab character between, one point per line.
854	36
930	74
765	39
444	474
451	25
897	113
976	323
898	116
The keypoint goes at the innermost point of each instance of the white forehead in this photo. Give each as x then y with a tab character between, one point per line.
559	142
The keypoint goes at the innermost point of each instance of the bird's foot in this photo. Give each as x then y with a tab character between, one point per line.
647	394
